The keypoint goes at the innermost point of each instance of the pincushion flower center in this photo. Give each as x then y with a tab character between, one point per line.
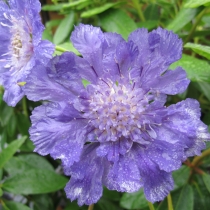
115	111
20	48
16	44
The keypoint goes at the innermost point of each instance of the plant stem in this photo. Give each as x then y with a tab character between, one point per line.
151	207
197	159
200	15
139	10
24	104
91	207
170	204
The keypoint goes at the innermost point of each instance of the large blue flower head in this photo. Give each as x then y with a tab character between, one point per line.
116	131
21	45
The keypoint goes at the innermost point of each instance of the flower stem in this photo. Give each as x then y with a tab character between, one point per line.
200	15
151	207
170	204
139	10
198	159
24	104
91	207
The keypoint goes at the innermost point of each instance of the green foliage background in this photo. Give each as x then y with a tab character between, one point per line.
29	181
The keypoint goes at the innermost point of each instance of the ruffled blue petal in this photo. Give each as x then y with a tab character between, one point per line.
85	184
89	41
60	139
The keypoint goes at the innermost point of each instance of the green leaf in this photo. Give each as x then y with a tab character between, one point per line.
1	174
104	204
150	24
185	202
47	35
52	7
204	87
8	152
1	192
98	10
72	4
74	206
181	176
22	163
11	126
23	123
135	200
200	49
151	12
42	202
117	21
206	180
16	206
196	3
5	114
197	70
35	181
53	23
201	193
64	29
182	199
111	194
184	16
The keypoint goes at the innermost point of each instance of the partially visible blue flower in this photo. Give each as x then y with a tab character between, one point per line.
116	132
21	45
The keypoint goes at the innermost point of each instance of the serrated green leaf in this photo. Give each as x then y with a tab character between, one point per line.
64	29
206	180
98	10
181	176
135	200
16	206
35	181
200	49
8	152
117	21
196	3
22	163
184	16
197	70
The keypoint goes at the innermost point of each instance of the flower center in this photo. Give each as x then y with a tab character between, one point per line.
16	44
115	110
20	47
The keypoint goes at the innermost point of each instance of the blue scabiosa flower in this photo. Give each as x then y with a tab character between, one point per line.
116	131
21	45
